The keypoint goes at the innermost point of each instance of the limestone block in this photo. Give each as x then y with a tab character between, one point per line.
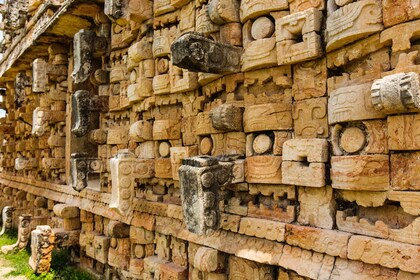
352	22
25	163
399	11
311	150
303	174
204	125
250	10
317	207
226	117
177	155
140	50
166	129
80	167
171	271
262	228
347	270
140	235
101	247
310	118
331	242
405	175
43	117
400	35
42	244
289	29
385	253
53	163
125	168
244	269
306	263
208	259
404	132
98	136
301	5
196	53
81	112
83	55
162	246
364	172
24	233
39	72
273	116
200	178
152	267
309	78
263	169
163	168
396	93
352	103
179	250
119	253
118	135
352	139
66	211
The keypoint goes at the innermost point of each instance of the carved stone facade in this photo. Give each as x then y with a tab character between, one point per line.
214	139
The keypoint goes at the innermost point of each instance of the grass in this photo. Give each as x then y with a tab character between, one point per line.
60	268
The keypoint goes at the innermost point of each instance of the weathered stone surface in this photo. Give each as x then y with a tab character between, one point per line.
317	207
401	35
227	117
261	228
244	269
7	218
365	172
399	11
200	178
80	167
274	116
199	54
310	118
24	232
42	244
404	171
352	22
385	253
403	132
351	103
348	269
263	169
396	93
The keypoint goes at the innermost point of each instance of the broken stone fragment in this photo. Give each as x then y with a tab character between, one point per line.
196	53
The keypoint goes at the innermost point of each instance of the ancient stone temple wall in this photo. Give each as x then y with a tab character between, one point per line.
219	139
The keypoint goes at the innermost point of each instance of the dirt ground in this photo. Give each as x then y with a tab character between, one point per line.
5	268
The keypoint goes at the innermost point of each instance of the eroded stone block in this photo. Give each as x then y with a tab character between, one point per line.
42	244
273	116
244	269
317	207
404	132
405	175
264	169
80	167
310	118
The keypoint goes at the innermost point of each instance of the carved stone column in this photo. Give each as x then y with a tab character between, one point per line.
24	232
42	244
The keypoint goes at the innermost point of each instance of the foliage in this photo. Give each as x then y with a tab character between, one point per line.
60	264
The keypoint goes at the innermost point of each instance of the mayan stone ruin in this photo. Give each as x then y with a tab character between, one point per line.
213	139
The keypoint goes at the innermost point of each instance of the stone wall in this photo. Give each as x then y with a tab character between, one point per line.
219	139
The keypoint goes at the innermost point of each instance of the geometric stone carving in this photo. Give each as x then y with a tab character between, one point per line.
310	118
317	207
141	131
352	22
21	82
24	232
125	168
86	44
400	36
405	175
7	218
43	117
80	167
352	103
227	117
396	93
208	259
264	169
196	53
273	116
200	179
304	162
364	172
223	11
121	12
42	244
297	38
